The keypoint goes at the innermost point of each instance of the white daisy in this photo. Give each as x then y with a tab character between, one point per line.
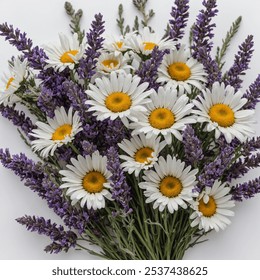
166	115
211	208
221	109
109	62
87	181
170	185
116	44
67	54
147	41
59	131
180	71
118	96
141	152
18	72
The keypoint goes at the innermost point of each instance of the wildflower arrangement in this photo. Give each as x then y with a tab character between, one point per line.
140	138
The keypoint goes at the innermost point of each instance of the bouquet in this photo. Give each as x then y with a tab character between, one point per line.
141	138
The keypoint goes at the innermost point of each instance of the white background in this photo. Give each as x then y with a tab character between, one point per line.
42	20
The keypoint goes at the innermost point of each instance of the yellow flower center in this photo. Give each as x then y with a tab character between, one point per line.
222	114
110	63
143	154
118	102
208	209
179	71
61	132
9	82
93	182
170	186
149	46
66	58
119	44
161	118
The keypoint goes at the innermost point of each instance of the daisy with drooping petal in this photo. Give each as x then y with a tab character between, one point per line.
170	185
167	115
118	96
141	152
116	44
17	73
147	41
222	109
180	71
87	181
67	54
211	208
59	131
109	62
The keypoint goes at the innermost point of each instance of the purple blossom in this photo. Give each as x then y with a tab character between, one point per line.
18	119
241	64
121	192
202	30
149	68
246	190
62	240
180	15
88	148
35	55
253	94
192	146
87	65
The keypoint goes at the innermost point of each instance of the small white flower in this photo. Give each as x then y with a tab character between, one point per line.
87	181
147	41
58	131
109	62
141	152
167	115
119	96
211	208
12	81
180	71
222	110
170	185
67	54
116	44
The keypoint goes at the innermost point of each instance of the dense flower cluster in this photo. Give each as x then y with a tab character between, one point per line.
139	137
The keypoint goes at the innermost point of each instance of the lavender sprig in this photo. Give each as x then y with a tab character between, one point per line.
246	190
180	15
241	64
62	240
87	65
253	94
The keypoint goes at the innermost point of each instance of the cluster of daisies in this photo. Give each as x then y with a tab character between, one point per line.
155	119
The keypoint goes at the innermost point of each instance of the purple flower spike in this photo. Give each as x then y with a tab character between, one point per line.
246	190
253	94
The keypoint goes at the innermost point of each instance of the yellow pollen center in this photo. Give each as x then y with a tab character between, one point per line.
66	58
119	44
9	82
61	132
118	102
170	186
110	63
93	182
222	114
143	154
208	209
161	118
179	71
149	46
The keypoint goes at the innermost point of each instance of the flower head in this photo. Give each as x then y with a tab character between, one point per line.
221	109
180	71
59	131
165	115
87	181
211	208
67	54
170	185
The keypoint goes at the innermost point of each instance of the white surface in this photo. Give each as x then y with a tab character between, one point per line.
42	20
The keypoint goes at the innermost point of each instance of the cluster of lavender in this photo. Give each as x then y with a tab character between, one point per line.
69	84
